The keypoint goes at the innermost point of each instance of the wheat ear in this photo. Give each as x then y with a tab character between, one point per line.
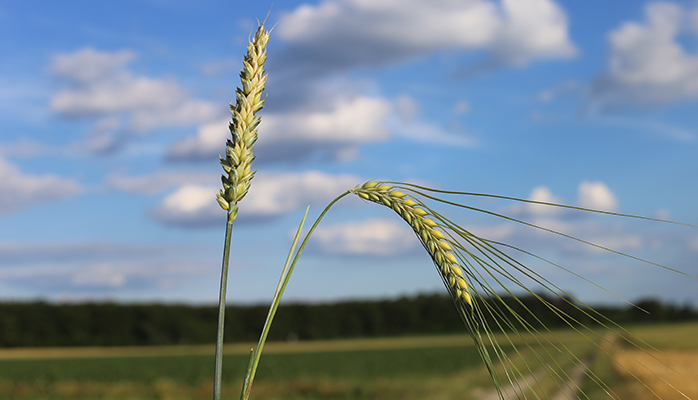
243	129
432	239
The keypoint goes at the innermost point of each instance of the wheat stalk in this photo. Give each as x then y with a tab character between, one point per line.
237	164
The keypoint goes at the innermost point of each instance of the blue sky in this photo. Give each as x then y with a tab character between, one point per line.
112	116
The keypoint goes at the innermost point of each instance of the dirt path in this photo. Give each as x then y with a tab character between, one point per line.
568	392
572	388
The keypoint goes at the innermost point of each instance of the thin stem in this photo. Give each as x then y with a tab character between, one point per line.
283	281
254	359
218	367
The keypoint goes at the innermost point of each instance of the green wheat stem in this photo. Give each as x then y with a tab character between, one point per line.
218	366
283	282
254	360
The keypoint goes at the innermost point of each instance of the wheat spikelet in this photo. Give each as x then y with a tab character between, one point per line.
433	240
243	129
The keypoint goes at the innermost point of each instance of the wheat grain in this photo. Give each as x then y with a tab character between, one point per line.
433	240
243	129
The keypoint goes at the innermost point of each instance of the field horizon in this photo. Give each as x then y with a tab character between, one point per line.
410	367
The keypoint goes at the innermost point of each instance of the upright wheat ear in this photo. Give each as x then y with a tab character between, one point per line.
433	240
240	150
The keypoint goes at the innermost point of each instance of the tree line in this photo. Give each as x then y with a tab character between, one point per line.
40	323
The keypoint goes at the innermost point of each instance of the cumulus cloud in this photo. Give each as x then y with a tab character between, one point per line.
597	196
604	232
98	84
332	132
648	64
329	131
19	190
594	195
544	195
51	268
348	122
376	237
208	142
88	65
541	194
190	205
274	194
339	35
101	277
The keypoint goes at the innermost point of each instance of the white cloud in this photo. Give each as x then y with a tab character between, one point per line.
88	64
190	205
19	190
593	195
347	122
597	196
377	237
208	142
100	276
350	121
98	84
544	243
543	194
273	195
648	65
49	268
55	279
332	130
278	193
532	29
336	35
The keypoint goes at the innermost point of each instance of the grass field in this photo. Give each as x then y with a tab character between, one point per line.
344	369
437	367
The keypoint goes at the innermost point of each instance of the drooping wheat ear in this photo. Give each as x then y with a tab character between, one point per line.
433	239
243	129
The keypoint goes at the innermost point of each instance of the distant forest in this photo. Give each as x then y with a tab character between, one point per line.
109	324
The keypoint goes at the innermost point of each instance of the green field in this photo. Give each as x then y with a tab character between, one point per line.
439	367
330	369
